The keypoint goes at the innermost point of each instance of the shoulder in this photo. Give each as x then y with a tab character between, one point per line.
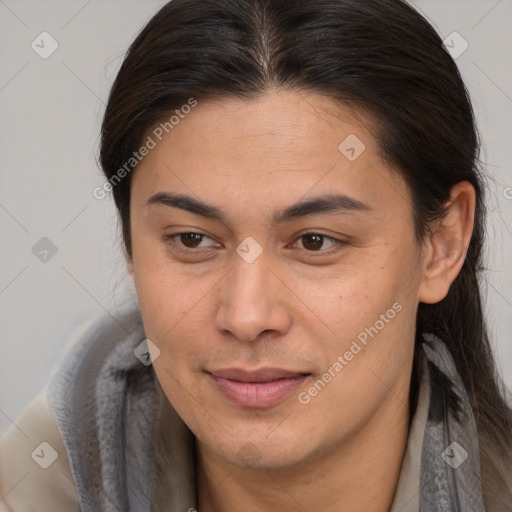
34	470
38	453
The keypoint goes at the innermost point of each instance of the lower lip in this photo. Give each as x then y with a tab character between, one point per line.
258	395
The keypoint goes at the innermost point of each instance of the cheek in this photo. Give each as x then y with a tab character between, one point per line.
353	297
164	296
368	355
174	309
370	312
169	309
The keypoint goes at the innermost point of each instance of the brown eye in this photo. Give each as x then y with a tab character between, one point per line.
190	240
314	241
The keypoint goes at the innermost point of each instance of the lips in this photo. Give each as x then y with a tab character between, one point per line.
257	389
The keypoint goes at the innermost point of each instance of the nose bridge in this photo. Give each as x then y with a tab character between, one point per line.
250	301
248	284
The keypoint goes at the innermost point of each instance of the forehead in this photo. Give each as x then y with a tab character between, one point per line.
282	122
280	145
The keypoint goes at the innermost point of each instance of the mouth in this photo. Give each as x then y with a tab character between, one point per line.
257	389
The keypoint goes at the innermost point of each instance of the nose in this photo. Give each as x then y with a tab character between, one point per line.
252	301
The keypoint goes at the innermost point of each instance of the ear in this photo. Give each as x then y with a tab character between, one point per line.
446	246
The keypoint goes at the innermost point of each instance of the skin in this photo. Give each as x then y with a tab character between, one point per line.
298	306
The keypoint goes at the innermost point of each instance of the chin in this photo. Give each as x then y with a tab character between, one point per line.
260	452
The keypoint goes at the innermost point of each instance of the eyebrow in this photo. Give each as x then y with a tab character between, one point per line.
329	203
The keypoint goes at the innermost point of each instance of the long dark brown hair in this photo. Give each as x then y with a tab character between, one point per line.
381	56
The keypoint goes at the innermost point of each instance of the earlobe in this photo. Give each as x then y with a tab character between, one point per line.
446	247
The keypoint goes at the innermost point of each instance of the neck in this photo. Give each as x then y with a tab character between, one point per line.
360	474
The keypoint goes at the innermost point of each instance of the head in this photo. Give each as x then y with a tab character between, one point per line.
309	189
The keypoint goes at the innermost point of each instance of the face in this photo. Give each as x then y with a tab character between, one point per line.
281	286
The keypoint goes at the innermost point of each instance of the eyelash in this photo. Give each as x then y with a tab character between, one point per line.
170	239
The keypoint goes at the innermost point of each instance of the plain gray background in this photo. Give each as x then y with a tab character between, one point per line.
50	117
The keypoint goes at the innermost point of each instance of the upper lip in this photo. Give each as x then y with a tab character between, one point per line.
261	375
